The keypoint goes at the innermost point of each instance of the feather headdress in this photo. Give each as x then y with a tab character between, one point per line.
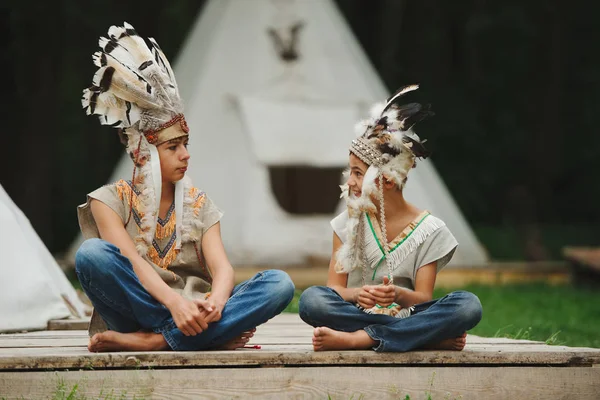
134	86
389	146
134	89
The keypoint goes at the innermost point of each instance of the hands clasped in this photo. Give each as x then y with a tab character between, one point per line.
193	316
383	295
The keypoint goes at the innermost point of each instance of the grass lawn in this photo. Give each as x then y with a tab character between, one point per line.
562	315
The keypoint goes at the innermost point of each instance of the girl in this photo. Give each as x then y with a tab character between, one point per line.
379	293
153	264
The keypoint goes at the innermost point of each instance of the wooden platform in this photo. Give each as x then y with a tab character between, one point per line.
48	364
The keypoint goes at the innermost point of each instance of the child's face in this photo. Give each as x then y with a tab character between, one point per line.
357	172
174	159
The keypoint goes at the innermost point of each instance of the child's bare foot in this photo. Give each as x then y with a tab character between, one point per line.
136	341
239	341
328	339
457	343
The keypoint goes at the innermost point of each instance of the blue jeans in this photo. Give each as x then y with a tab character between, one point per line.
108	279
429	323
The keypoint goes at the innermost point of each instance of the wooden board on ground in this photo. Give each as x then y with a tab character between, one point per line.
68	324
585	265
45	364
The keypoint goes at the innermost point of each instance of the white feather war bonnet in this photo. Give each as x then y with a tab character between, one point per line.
135	90
388	145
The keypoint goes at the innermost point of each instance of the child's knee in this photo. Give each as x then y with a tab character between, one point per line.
283	286
471	310
91	254
312	304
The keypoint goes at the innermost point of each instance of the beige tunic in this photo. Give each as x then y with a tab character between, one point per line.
425	240
180	269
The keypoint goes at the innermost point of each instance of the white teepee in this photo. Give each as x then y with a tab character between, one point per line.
248	109
33	288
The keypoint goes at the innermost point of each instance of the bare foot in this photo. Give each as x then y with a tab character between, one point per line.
239	341
328	339
457	343
136	341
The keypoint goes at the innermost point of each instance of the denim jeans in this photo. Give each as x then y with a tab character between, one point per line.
430	322
107	277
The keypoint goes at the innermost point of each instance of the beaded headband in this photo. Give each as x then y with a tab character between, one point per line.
364	150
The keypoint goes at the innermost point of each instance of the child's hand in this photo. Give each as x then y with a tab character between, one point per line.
209	309
384	294
364	298
187	316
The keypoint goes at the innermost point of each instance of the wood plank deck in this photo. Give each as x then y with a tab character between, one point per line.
37	365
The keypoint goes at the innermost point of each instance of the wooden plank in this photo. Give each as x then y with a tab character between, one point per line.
259	339
46	342
585	256
533	383
45	334
279	355
68	324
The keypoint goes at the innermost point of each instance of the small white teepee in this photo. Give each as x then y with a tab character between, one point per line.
33	288
282	83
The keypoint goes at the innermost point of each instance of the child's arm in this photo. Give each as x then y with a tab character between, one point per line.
339	282
424	283
385	294
220	269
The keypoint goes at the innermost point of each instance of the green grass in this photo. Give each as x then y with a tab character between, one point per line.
556	314
72	277
562	315
65	391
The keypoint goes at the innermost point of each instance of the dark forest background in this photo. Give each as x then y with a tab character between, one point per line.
515	86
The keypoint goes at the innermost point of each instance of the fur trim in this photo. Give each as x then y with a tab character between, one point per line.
192	226
147	200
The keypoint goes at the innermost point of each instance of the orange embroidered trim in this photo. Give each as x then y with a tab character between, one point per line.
166	261
199	202
166	230
126	192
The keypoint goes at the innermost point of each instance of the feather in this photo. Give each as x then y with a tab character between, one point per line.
162	61
105	75
399	93
413	113
143	59
104	59
113	48
124	86
134	83
416	146
111	109
389	148
127	38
